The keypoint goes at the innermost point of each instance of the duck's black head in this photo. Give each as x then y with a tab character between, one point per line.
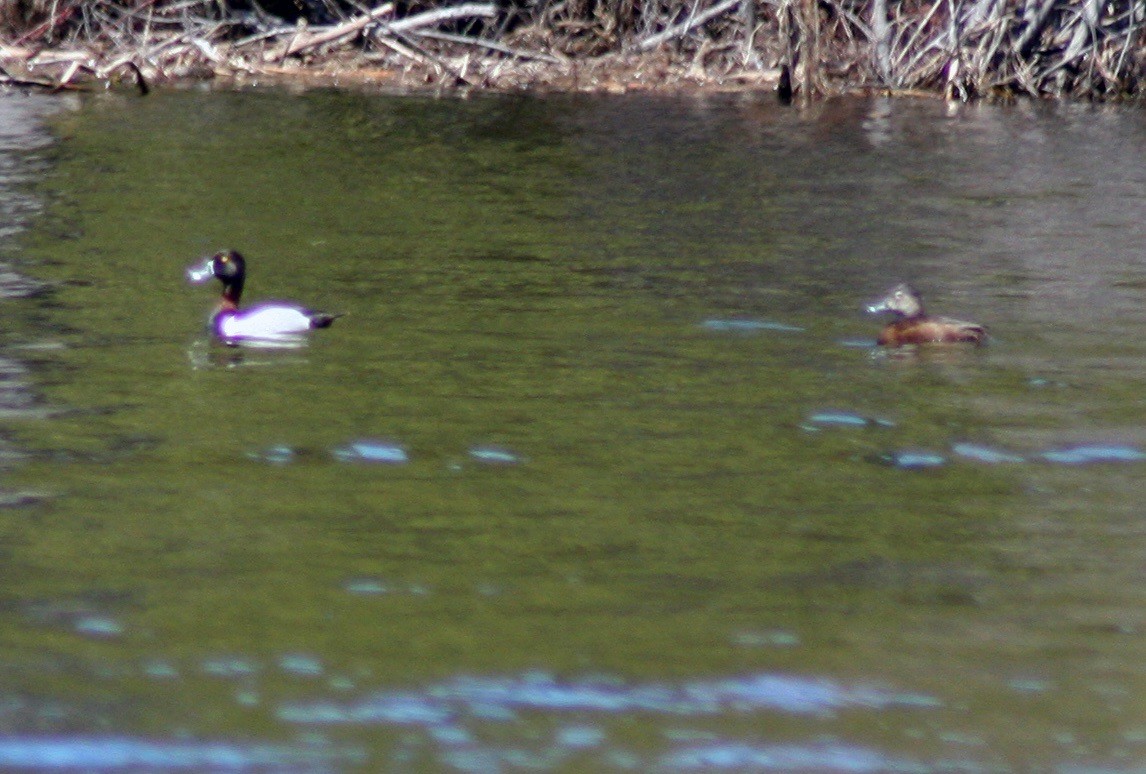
902	299
229	267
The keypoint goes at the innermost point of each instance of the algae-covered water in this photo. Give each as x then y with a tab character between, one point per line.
601	470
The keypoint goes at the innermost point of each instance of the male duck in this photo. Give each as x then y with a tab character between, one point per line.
267	324
913	326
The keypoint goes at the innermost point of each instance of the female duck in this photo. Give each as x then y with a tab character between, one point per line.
913	326
268	324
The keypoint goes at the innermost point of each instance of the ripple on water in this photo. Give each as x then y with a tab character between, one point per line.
738	756
1081	455
279	454
301	664
832	418
453	714
913	460
495	455
18	399
543	692
580	737
749	326
20	498
766	639
987	454
858	343
160	669
230	666
125	753
372	451
16	285
377	586
98	626
366	586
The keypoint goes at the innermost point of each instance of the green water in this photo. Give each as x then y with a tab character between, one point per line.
573	282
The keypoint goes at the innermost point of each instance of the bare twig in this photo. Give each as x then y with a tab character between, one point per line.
855	21
920	27
492	45
404	48
430	18
56	20
694	21
338	31
980	11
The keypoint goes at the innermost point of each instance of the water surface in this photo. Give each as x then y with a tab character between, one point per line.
601	470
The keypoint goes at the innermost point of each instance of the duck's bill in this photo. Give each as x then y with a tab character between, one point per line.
877	307
201	272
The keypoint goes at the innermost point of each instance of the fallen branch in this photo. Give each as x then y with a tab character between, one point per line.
210	52
66	78
46	27
678	30
410	51
430	18
338	31
7	79
492	45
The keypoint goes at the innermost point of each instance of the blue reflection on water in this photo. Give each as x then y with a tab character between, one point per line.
541	691
229	666
750	326
1079	455
494	455
832	418
98	626
366	586
858	343
372	451
451	714
301	664
986	454
746	757
397	708
913	460
758	639
109	753
279	454
580	736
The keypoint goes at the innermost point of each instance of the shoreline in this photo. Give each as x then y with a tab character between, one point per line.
802	50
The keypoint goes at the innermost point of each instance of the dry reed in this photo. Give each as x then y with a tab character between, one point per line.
805	48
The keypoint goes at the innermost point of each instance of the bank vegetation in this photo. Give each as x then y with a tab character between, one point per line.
802	49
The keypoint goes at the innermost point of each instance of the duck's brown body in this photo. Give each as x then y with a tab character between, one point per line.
914	326
931	330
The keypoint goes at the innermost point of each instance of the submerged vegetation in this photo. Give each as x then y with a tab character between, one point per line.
962	49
